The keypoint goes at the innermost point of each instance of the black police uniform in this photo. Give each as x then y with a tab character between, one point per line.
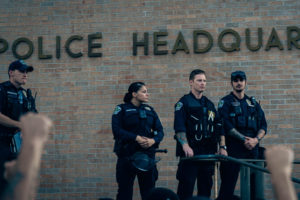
13	104
198	118
128	121
247	117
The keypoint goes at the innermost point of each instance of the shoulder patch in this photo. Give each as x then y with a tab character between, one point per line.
117	110
147	108
221	103
178	106
249	103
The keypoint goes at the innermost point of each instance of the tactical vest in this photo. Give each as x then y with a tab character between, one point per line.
200	119
250	121
17	103
144	128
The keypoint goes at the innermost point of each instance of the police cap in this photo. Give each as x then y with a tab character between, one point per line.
21	66
238	74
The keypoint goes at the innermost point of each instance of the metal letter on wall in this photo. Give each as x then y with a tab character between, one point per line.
58	47
234	46
40	49
4	44
19	41
196	33
273	41
293	40
180	44
248	40
68	43
143	43
157	43
92	45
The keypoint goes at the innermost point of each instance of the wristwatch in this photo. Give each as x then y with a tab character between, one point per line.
258	139
223	147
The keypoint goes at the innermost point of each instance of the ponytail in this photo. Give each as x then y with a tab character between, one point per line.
134	87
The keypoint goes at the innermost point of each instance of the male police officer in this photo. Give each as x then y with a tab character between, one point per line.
14	102
245	126
196	126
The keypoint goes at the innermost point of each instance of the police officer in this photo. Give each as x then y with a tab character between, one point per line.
137	132
14	102
197	127
245	126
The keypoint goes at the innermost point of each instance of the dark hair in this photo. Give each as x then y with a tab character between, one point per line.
196	72
134	87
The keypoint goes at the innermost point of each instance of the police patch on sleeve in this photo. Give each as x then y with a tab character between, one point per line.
117	110
221	103
178	106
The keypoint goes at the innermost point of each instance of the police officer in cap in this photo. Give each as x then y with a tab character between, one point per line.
198	128
245	126
137	132
14	102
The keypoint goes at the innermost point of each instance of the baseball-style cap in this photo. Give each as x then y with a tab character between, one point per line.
238	74
21	66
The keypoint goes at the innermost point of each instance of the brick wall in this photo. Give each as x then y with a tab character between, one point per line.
79	94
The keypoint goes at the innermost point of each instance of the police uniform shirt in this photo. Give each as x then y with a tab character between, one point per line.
13	103
226	111
235	147
181	117
128	121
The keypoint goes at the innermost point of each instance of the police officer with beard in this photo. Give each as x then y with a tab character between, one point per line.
14	102
245	126
137	132
198	128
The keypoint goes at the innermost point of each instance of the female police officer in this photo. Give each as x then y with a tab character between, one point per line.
137	132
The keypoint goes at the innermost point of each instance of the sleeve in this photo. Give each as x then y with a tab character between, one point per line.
179	117
116	123
262	118
3	102
224	112
158	128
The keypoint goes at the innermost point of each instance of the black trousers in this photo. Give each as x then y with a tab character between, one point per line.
229	172
188	172
126	173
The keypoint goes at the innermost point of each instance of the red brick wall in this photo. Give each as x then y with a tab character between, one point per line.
79	94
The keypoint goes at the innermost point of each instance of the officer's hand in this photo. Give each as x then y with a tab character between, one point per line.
250	143
140	140
144	142
188	151
223	152
148	142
